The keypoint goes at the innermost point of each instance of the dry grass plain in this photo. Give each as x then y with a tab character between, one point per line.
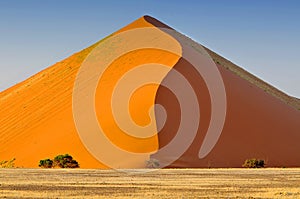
165	183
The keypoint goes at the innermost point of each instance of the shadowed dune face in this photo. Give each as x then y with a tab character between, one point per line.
37	117
257	126
168	100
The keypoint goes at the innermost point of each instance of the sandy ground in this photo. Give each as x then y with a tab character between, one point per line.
167	183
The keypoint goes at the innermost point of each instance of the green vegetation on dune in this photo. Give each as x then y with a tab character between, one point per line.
60	161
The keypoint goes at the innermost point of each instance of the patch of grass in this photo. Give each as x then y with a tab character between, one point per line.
254	163
8	163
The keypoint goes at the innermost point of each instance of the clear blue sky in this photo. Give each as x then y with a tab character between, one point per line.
262	36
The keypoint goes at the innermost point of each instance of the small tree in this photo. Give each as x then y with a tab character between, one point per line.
65	161
152	163
254	163
47	163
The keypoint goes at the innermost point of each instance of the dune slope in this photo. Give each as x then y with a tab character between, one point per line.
36	119
37	122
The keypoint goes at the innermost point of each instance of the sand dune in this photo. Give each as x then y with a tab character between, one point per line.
37	122
36	115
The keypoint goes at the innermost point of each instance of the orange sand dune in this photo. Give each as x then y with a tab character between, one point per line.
37	121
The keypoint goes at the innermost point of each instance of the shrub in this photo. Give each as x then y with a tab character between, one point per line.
152	163
60	161
254	163
65	161
8	163
47	163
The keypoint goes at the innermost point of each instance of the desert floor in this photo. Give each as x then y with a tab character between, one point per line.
165	183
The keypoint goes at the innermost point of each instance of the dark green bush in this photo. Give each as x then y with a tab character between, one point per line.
65	161
47	163
60	161
254	163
